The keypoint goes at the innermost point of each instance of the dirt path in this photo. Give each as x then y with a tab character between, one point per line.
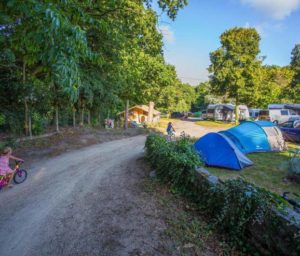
192	129
86	202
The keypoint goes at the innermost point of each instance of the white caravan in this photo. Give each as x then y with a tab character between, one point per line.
225	112
280	114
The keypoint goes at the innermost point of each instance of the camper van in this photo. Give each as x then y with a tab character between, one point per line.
279	113
225	112
259	114
253	112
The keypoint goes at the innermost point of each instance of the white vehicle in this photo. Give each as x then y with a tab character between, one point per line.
243	112
210	112
279	114
225	112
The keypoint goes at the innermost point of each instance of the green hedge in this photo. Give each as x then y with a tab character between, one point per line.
235	207
174	162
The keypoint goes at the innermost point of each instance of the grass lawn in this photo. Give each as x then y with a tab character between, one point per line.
268	171
215	124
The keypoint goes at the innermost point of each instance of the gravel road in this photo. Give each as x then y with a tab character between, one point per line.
190	128
85	202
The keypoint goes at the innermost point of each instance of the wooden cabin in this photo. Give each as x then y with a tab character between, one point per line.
139	114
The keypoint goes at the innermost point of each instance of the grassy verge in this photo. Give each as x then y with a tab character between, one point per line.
268	171
163	122
68	139
186	227
215	124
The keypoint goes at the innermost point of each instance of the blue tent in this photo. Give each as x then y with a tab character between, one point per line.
228	148
218	150
250	136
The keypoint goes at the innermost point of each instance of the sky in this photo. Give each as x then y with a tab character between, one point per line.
195	32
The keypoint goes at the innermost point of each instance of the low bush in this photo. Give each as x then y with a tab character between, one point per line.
294	166
174	162
234	206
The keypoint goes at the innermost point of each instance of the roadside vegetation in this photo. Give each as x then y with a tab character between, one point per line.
189	230
236	207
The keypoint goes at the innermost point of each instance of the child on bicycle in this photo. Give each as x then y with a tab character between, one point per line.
170	129
5	170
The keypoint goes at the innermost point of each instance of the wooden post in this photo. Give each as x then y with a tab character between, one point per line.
126	114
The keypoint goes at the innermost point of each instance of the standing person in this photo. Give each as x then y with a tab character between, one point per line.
5	170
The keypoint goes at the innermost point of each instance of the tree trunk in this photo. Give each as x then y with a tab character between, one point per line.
236	110
29	126
126	114
74	117
89	117
82	117
25	101
56	119
150	113
26	118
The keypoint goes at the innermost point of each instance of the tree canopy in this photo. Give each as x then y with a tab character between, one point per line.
81	58
237	72
235	64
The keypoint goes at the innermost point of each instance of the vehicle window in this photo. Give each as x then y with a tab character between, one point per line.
293	113
256	114
264	113
287	124
211	111
284	112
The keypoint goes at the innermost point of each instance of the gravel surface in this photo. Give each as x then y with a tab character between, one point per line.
86	202
190	128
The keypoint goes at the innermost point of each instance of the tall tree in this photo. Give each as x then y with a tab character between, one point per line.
295	66
81	54
235	64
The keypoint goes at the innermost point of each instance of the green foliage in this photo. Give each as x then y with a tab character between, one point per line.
237	203
237	72
80	55
234	66
233	206
294	166
295	66
174	162
2	119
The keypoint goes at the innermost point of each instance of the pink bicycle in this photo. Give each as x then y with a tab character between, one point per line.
19	176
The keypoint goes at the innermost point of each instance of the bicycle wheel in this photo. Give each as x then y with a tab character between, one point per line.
20	176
